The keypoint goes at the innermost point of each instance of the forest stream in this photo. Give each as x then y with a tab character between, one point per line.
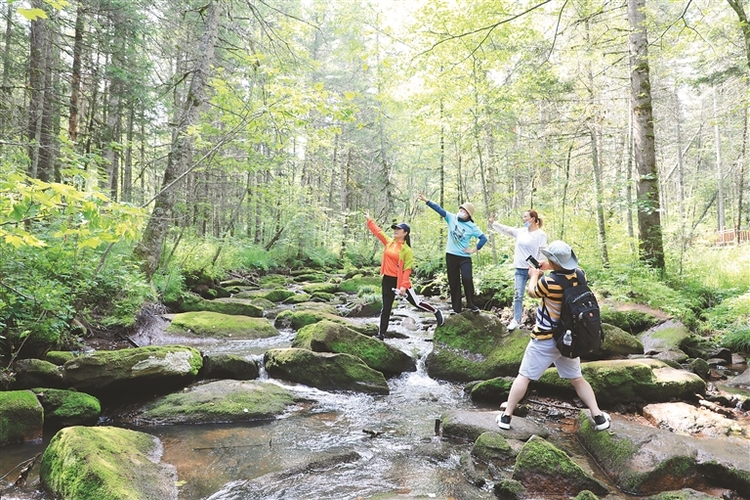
341	445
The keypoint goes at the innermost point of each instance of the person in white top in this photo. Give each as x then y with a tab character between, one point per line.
530	239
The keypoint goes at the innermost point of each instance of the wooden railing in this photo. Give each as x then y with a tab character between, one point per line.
732	236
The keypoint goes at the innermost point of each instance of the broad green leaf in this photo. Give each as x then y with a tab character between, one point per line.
90	243
32	14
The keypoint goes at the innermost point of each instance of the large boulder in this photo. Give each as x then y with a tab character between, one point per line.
232	366
629	381
216	325
326	371
141	371
223	401
327	336
542	467
232	306
644	460
95	463
472	346
34	372
469	425
21	417
618	342
299	318
64	408
667	336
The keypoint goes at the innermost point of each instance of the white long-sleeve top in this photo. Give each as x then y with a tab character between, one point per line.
527	243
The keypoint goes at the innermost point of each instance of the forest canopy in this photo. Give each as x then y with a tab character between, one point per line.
140	141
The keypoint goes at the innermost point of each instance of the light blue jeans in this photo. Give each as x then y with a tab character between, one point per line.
522	277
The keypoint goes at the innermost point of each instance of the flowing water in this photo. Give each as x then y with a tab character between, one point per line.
336	446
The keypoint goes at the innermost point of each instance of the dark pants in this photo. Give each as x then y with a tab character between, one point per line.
460	271
388	284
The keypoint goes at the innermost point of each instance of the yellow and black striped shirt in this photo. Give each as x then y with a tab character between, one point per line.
551	293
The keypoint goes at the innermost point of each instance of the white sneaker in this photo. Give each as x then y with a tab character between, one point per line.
513	325
601	422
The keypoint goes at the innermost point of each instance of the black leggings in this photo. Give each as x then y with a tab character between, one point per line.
460	271
388	284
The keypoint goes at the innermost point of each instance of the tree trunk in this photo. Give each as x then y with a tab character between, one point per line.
649	221
720	223
75	77
739	8
150	247
38	65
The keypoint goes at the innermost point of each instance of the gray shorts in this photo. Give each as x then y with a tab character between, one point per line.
540	354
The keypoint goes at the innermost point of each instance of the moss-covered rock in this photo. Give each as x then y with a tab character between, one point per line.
59	358
353	284
141	371
34	372
683	494
542	467
631	320
304	317
618	342
645	460
230	306
313	288
469	425
228	366
95	463
223	401
21	417
217	325
326	371
297	298
327	336
508	489
475	347
489	391
63	408
666	336
629	381
491	447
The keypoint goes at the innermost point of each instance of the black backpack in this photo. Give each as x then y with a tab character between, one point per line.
580	329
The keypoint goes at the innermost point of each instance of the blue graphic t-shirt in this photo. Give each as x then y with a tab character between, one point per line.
460	232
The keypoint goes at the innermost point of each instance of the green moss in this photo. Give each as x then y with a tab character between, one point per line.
354	284
59	357
63	407
222	401
312	288
613	453
278	295
93	463
538	454
21	417
221	325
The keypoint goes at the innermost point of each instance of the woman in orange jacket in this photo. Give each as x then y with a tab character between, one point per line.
396	268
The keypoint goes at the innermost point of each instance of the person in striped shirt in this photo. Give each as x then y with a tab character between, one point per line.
541	350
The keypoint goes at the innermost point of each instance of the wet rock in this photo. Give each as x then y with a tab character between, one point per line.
631	320
509	489
474	346
543	468
141	371
21	417
469	425
64	408
643	460
106	462
630	380
699	367
469	471
229	366
327	336
223	401
213	325
326	371
684	494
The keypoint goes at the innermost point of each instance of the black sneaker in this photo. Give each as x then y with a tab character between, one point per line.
379	336
601	422
474	309
439	317
503	421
